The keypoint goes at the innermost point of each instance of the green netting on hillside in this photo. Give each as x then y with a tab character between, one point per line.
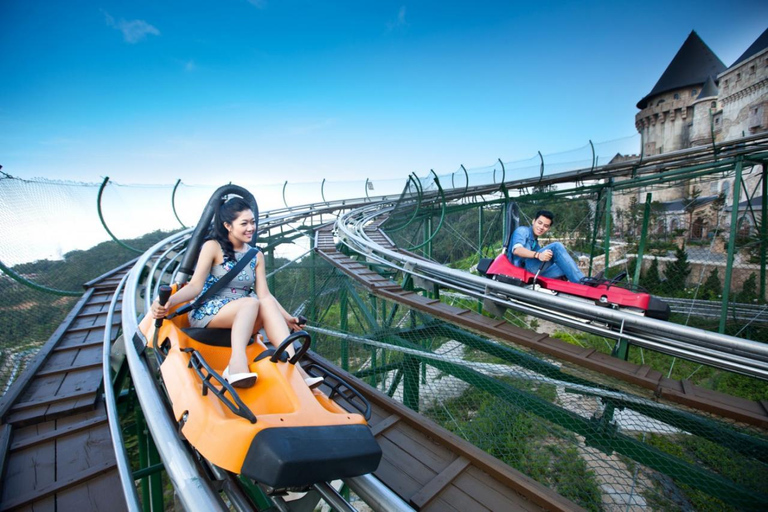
51	243
55	236
600	442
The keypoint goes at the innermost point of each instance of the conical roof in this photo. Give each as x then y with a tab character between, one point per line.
692	65
709	90
760	44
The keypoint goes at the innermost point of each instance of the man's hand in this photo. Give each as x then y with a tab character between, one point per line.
545	255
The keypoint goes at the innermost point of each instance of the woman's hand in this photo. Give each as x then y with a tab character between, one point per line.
157	310
296	323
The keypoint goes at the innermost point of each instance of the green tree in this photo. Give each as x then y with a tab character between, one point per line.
650	279
676	273
712	287
748	289
690	202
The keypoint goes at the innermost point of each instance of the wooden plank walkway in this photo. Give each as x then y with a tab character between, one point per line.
56	451
679	391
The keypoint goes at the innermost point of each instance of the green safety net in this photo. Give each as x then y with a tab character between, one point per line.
596	440
600	442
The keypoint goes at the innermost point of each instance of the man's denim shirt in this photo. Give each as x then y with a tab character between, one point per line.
522	237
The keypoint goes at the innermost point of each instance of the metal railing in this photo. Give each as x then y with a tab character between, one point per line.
718	350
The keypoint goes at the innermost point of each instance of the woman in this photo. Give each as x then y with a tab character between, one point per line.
234	306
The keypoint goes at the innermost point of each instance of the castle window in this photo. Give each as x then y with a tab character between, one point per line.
713	104
693	93
677	96
738	76
717	121
752	69
659	102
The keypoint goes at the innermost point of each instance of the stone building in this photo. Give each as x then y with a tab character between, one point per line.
672	114
696	100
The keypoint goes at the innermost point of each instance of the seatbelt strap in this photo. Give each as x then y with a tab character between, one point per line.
218	285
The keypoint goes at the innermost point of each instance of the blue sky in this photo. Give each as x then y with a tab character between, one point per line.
151	91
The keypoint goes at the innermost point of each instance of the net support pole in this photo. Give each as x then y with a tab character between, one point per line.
322	191
643	234
763	233
594	230
607	231
428	237
480	231
104	223
731	245
271	266
173	202
344	324
411	382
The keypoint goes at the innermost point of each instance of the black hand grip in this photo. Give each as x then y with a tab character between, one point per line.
287	342
163	295
301	321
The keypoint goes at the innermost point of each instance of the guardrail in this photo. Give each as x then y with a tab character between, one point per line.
718	350
710	308
193	487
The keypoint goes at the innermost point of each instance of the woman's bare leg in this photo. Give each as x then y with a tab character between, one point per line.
273	322
240	315
276	328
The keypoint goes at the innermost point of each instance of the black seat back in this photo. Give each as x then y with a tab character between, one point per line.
513	220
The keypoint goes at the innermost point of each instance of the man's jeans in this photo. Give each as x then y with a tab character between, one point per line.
562	264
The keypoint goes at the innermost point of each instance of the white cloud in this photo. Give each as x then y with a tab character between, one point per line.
399	21
133	31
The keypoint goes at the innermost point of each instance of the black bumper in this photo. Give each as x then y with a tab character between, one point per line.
291	457
658	309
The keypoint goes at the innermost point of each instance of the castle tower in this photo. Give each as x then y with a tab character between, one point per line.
666	119
744	92
705	108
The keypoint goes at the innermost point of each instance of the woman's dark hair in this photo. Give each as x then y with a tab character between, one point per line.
227	212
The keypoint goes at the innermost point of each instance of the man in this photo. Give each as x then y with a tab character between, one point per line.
525	251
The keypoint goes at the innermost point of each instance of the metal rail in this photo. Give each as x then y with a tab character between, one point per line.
110	401
719	350
194	487
713	309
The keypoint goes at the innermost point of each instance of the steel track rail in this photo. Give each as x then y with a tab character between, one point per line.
722	351
196	489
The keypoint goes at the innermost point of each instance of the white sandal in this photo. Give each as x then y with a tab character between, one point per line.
240	380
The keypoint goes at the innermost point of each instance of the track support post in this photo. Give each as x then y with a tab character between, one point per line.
731	244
